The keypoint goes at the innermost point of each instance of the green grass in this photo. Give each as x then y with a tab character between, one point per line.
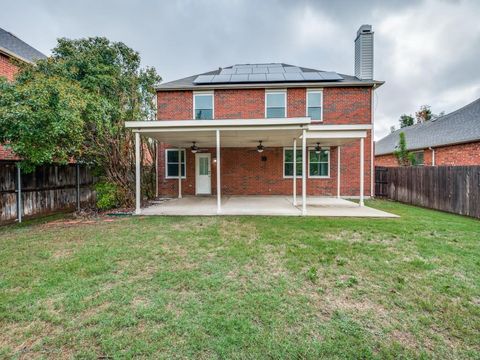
243	287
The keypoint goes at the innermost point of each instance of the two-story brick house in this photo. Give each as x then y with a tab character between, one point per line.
238	129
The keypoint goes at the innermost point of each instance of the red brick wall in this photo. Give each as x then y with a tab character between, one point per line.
456	155
7	68
243	172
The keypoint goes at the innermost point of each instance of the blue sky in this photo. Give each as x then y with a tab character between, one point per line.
427	51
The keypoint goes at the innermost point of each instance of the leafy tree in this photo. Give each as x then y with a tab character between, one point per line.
404	157
75	104
406	120
424	114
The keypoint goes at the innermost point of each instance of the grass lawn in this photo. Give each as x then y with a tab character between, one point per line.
242	287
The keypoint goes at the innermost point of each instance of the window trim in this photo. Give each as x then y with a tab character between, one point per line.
195	93
319	91
166	163
276	91
308	164
329	163
419	152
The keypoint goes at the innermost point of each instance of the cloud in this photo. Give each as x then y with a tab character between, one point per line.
426	51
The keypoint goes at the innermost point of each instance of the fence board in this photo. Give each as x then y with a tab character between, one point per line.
454	189
46	190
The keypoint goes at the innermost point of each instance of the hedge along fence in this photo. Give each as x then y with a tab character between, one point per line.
454	189
49	189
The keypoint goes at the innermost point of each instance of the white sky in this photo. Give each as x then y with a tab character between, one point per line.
428	52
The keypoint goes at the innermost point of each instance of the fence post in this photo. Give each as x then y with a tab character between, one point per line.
78	185
19	193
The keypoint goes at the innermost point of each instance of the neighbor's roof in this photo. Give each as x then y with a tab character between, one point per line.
13	46
261	75
460	126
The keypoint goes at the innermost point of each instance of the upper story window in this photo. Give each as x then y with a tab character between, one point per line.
314	104
203	105
276	104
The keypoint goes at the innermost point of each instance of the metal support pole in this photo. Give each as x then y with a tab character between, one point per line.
362	149
179	173
138	193
295	172
219	188
304	172
77	168
19	194
339	171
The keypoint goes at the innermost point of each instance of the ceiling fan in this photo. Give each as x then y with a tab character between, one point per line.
195	149
259	148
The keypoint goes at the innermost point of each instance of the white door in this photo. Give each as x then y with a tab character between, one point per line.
203	184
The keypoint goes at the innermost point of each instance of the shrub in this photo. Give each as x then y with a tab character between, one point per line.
107	195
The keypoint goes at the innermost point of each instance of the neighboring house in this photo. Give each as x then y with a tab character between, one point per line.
238	129
14	51
452	139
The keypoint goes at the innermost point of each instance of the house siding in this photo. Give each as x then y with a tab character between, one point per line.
243	171
453	155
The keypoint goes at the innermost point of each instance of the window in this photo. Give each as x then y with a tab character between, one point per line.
314	104
203	106
288	162
171	163
319	164
417	158
275	104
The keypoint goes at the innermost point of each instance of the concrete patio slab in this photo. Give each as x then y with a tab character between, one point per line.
273	205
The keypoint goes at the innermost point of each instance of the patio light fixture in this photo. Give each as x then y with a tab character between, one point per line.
260	147
194	148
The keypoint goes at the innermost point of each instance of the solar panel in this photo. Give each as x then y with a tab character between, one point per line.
311	76
227	72
239	78
275	77
293	76
257	77
292	69
221	78
245	73
203	79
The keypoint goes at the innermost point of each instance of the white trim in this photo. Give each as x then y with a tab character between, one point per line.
216	124
362	171
315	91
304	171
322	127
138	191
329	163
294	175
339	171
276	91
195	93
166	163
197	157
308	163
347	134
219	186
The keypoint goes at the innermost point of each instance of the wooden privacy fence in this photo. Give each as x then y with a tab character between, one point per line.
455	189
48	189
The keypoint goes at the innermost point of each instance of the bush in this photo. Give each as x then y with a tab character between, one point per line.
107	195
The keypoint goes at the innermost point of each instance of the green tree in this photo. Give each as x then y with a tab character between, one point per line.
75	104
404	157
406	120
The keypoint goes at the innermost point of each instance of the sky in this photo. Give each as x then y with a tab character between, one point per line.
427	52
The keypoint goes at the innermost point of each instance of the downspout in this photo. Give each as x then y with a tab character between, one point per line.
433	155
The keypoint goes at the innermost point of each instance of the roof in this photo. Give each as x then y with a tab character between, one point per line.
460	126
257	75
13	46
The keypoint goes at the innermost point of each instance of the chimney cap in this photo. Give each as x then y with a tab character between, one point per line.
364	29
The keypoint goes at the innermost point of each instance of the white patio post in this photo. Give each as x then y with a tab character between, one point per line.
179	173
362	149
304	172
339	170
138	193
295	172
219	191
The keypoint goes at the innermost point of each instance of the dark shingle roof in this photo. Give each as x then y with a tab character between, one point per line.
188	82
19	48
460	126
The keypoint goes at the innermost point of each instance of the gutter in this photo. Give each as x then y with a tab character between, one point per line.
436	145
13	55
281	85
